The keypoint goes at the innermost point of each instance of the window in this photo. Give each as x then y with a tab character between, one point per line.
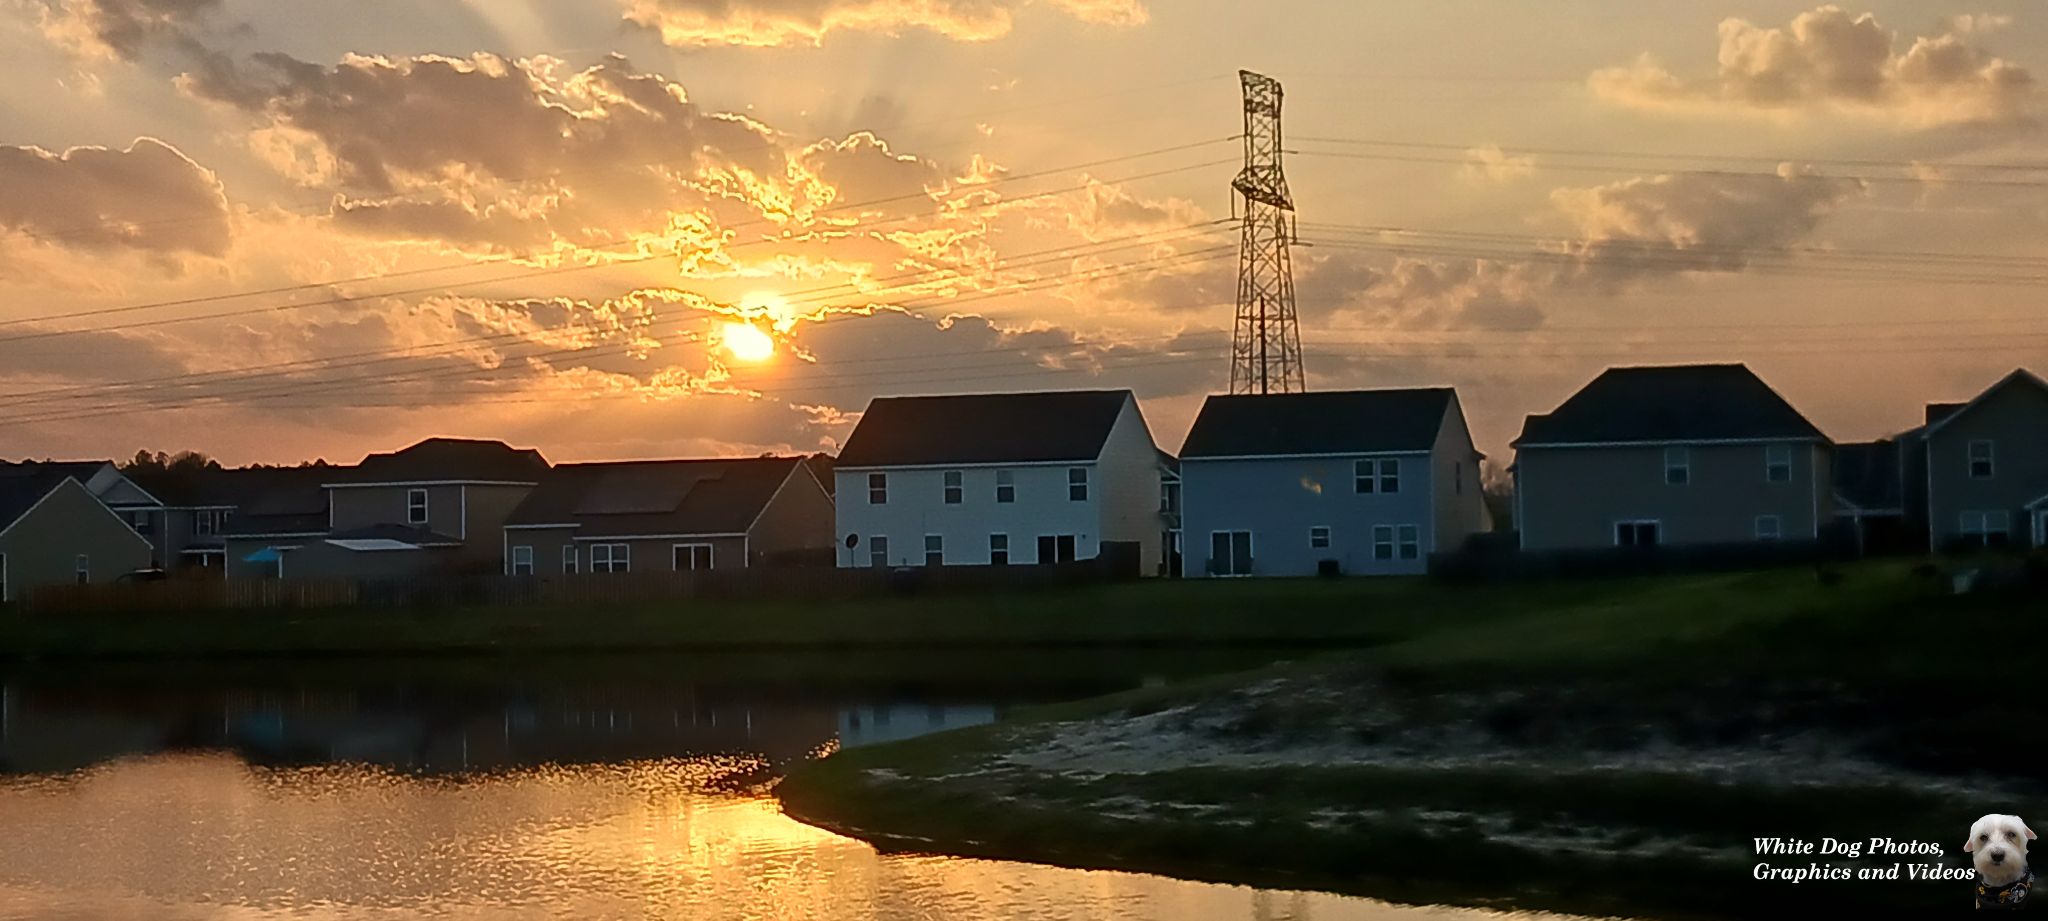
1981	466
1319	537
1987	529
1635	534
140	521
690	557
1169	498
1769	527
1056	548
1077	484
878	489
1006	486
416	506
208	521
81	566
999	549
1230	553
522	560
878	552
1411	542
1677	466
1382	542
569	558
954	490
1777	463
1369	476
611	557
934	550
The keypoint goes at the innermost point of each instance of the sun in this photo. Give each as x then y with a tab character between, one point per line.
747	342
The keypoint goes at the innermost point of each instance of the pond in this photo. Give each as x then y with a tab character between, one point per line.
601	789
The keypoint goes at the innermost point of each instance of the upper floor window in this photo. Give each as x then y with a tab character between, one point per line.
1376	476
1777	463
955	490
415	506
1677	466
1077	484
1981	460
1006	486
140	521
878	489
1169	498
207	522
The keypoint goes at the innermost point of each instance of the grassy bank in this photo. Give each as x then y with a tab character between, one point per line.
1154	613
1611	752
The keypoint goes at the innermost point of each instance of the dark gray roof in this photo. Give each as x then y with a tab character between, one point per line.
1938	414
626	498
989	428
1670	403
449	459
273	500
1318	422
21	487
1867	475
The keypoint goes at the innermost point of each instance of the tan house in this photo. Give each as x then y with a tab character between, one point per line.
54	531
670	516
1979	470
1688	455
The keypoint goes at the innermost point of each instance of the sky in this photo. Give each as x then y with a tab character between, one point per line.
275	230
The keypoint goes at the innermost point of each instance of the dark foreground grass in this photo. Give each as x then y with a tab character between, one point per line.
1878	670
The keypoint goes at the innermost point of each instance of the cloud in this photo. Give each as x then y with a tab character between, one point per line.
120	28
1715	222
149	198
1830	60
1492	163
761	23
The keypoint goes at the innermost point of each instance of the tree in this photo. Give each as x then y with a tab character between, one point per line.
1499	488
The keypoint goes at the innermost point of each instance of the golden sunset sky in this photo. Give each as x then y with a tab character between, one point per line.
280	230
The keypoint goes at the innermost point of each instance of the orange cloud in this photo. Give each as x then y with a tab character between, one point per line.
764	23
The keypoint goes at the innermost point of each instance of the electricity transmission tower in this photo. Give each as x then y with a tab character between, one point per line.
1266	345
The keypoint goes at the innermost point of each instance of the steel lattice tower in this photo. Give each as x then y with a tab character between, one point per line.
1266	346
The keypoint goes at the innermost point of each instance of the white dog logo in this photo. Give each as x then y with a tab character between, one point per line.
1998	845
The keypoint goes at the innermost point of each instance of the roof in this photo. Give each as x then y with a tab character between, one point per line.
989	428
22	487
1318	422
1867	475
437	459
1941	414
273	500
1670	403
628	498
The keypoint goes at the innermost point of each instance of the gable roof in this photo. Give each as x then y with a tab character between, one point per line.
1867	475
628	498
1318	422
272	500
1941	414
437	459
22	486
988	428
1669	403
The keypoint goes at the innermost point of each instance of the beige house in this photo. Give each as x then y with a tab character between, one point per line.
54	531
670	516
1689	455
1980	469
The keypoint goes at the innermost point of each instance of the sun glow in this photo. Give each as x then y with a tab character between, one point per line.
747	342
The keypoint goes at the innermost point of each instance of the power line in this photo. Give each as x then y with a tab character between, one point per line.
1651	171
1677	157
1989	260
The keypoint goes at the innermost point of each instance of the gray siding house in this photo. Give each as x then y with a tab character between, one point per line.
1686	455
1363	482
54	531
1982	468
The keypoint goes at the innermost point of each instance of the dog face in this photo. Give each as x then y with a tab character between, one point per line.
1998	845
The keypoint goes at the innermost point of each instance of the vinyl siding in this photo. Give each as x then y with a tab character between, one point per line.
2015	420
1571	498
1279	500
43	545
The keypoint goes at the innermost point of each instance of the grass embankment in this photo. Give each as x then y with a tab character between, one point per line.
1613	752
1153	613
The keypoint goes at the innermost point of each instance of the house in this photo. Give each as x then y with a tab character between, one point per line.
670	515
1870	495
438	507
55	531
142	511
998	479
1365	482
1685	455
197	505
1978	471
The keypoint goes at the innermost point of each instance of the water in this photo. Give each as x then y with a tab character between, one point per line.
612	793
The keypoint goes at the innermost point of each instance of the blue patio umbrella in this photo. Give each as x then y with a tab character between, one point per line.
265	555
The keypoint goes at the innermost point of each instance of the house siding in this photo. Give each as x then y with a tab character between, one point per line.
1571	498
2015	420
1129	486
1460	497
652	554
1280	499
355	507
43	545
488	508
797	518
917	508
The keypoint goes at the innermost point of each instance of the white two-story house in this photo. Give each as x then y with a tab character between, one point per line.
1000	479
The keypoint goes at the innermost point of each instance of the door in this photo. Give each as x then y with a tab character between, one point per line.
1636	534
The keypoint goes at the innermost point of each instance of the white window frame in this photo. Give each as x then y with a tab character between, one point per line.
1638	522
1775	531
710	556
955	491
1383	544
618	557
81	568
1376	476
521	561
417	499
934	544
878	489
1408	540
878	551
1251	540
1677	460
1319	537
1773	463
1978	524
204	524
994	549
1990	459
571	564
1077	484
1006	486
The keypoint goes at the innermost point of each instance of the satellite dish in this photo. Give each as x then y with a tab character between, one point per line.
852	541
